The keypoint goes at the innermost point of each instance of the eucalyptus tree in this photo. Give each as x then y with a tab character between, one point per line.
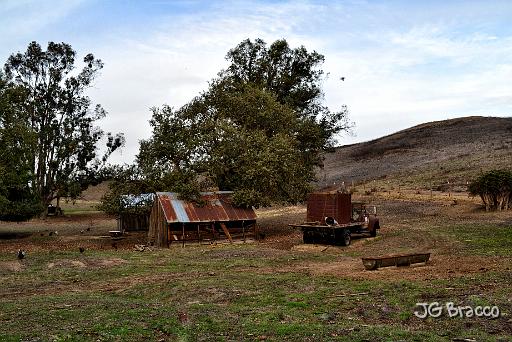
62	156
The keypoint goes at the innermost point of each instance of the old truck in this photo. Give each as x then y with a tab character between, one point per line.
334	218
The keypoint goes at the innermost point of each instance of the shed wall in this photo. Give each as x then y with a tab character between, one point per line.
134	222
158	230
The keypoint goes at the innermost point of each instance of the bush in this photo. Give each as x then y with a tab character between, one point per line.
494	188
19	210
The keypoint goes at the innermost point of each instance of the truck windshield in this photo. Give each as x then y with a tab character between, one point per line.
371	209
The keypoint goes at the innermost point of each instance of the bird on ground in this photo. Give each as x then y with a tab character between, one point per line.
81	249
21	254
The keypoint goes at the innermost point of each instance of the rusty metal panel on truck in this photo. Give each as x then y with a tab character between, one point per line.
336	205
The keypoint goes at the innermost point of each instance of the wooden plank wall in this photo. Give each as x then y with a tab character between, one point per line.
157	234
134	222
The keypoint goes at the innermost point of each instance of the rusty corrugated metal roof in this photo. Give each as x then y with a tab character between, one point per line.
218	208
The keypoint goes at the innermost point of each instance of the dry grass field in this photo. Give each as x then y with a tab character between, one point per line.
443	155
274	289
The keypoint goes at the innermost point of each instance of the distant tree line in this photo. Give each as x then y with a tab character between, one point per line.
494	188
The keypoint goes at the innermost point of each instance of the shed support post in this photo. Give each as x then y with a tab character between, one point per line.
169	235
243	230
183	234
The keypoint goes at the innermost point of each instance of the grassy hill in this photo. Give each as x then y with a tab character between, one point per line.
440	154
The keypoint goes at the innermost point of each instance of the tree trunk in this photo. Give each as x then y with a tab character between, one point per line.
499	202
487	202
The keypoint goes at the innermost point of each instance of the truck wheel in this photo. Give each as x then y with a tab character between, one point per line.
307	237
345	237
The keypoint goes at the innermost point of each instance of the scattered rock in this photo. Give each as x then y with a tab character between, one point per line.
183	317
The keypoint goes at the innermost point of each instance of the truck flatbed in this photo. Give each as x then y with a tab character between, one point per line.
318	225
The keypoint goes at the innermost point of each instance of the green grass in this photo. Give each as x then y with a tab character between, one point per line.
482	239
228	293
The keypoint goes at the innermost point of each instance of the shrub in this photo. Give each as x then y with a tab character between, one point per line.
494	188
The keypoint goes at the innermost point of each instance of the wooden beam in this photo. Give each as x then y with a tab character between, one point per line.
183	234
226	231
213	232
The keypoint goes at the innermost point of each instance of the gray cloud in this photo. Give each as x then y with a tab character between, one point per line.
401	66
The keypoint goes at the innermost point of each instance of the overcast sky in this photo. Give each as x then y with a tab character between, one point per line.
404	62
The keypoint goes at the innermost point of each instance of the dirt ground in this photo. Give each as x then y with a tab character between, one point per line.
87	230
407	226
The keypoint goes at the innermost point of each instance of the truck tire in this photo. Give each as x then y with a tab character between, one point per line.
343	237
307	237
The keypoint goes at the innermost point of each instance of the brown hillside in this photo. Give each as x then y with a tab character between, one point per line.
434	153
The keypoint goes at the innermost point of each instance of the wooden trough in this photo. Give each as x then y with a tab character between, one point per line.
395	260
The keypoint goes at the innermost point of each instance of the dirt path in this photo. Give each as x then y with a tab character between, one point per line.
439	267
407	226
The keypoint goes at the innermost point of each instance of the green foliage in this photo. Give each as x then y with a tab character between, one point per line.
21	207
125	181
56	144
494	188
258	130
17	201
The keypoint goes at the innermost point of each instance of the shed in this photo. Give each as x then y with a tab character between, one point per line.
174	220
135	214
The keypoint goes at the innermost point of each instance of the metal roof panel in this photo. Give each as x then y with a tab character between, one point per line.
218	207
